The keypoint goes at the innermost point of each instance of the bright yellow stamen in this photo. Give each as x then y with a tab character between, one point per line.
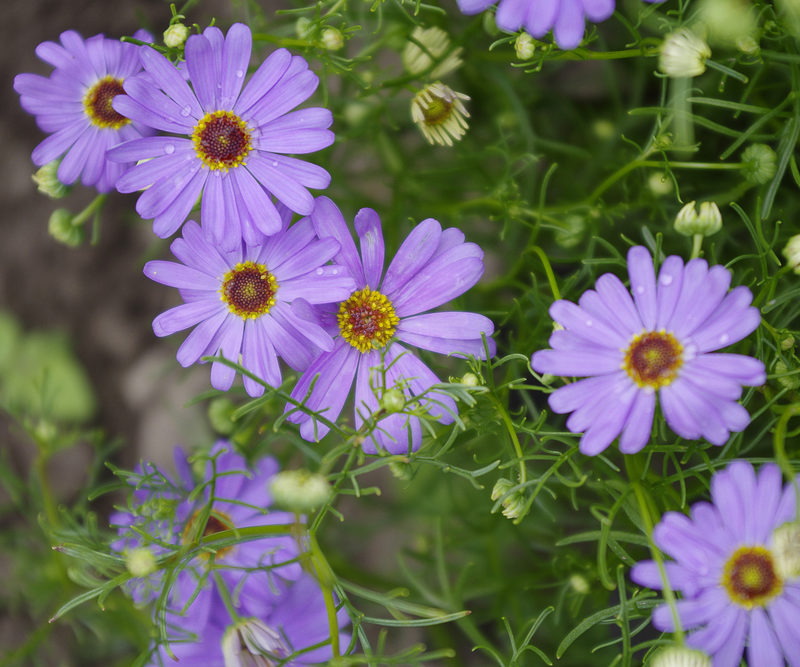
750	578
249	290
222	140
97	103
653	359
367	320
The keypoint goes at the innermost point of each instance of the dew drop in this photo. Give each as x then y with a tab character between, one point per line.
666	280
239	74
186	111
334	271
589	323
640	289
169	149
320	271
724	338
274	163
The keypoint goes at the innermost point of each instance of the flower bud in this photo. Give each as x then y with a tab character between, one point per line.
514	503
787	342
470	379
250	642
220	412
571	231
728	23
792	253
579	584
436	43
332	39
303	28
659	184
683	54
140	562
175	35
393	400
784	378
786	549
63	230
679	656
707	222
46	179
524	46
759	164
300	490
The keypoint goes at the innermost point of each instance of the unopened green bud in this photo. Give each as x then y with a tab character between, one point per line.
679	656
392	401
786	549
683	54
759	164
46	179
579	584
332	39
303	28
787	342
470	379
63	230
782	373
707	222
604	129
791	252
727	22
427	46
571	231
220	413
401	470
300	490
514	503
140	562
524	46
175	35
659	184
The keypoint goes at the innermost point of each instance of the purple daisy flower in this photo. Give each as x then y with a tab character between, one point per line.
294	631
171	513
74	105
566	18
252	301
228	141
431	267
735	589
659	342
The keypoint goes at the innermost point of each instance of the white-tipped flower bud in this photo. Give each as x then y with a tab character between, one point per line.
175	35
140	562
427	46
470	379
786	549
332	39
514	503
679	656
46	179
792	253
299	490
252	643
683	54
759	164
707	222
524	46
63	230
579	584
303	28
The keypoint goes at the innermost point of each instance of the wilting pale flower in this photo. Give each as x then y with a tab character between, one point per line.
435	48
706	222
724	566
683	54
659	343
440	113
786	547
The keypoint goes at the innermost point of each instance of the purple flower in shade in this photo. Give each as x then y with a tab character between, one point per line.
431	267
74	105
228	141
252	301
656	343
726	567
233	496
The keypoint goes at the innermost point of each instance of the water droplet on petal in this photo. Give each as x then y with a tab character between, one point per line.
320	271
724	338
239	74
274	163
169	149
589	323
186	111
334	271
666	280
640	289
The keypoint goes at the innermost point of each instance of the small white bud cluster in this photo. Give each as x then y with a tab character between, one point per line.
426	47
679	656
683	54
791	252
707	222
514	503
175	35
299	490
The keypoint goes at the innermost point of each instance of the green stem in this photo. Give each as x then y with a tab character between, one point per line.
93	206
551	278
225	594
697	245
633	469
325	578
40	467
523	473
779	440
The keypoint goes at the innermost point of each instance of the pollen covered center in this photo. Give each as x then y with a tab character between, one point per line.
221	140
97	103
249	290
653	359
367	319
216	523
750	578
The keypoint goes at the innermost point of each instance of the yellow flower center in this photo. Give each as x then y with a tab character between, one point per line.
97	103
653	359
222	140
750	578
249	290
367	320
217	522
